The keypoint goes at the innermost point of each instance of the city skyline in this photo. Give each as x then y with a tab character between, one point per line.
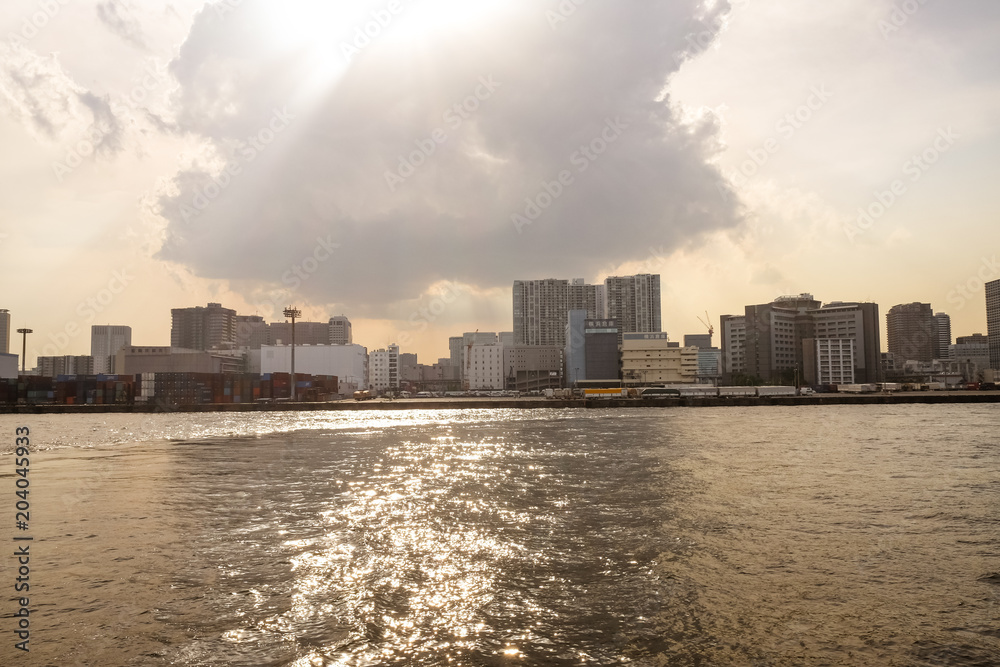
200	327
153	162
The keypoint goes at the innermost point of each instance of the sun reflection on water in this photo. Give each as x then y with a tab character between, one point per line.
409	554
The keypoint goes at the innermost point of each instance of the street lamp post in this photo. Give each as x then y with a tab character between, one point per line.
24	346
293	313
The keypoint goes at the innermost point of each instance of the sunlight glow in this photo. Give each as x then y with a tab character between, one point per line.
427	18
331	38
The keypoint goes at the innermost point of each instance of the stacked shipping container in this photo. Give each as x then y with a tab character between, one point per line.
166	388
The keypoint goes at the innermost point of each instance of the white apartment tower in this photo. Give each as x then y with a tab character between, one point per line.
835	361
541	308
634	302
383	369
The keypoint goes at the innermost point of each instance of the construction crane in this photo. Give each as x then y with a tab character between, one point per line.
707	323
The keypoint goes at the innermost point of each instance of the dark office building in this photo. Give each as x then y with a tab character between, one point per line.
913	332
601	349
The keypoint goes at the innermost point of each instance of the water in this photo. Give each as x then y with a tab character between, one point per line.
836	535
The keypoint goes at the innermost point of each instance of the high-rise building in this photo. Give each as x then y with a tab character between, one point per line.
942	323
859	322
455	351
4	331
733	330
633	302
766	343
774	334
340	331
252	332
383	369
540	308
203	328
993	322
105	341
306	333
912	331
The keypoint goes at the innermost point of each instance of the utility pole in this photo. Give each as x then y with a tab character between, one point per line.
293	313
24	346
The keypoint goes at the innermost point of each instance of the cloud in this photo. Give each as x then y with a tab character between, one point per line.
36	91
119	18
532	96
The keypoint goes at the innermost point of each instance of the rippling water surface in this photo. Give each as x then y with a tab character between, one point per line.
841	535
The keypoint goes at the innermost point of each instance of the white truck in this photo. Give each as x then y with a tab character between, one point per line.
857	388
776	391
737	391
696	390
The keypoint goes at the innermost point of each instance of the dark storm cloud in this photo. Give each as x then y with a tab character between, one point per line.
542	98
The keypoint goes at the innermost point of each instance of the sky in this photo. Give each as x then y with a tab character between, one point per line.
402	162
